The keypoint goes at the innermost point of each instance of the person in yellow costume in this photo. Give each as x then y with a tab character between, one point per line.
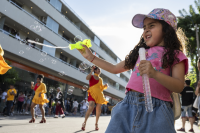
39	98
95	94
11	93
4	67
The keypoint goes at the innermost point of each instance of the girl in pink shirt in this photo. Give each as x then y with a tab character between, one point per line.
20	102
164	46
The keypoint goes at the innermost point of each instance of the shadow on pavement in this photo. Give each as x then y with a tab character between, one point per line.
13	124
86	132
78	131
92	131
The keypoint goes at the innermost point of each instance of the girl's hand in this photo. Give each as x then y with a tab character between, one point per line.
106	85
146	67
92	69
32	83
86	53
40	94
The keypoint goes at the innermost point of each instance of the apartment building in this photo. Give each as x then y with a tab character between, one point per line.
53	23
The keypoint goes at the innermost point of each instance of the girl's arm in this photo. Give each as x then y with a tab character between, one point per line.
90	74
32	87
118	68
197	91
197	88
174	83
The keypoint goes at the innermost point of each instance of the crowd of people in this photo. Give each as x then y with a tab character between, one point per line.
19	103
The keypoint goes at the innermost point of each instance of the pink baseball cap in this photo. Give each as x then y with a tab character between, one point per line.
159	14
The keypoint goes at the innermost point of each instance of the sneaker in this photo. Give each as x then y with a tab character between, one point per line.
56	116
66	113
182	130
191	130
5	115
26	113
63	116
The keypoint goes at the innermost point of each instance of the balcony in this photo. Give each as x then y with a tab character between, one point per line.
48	36
79	27
53	65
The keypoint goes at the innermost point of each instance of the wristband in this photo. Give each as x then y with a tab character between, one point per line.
93	58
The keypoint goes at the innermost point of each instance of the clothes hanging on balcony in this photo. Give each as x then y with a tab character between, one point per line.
4	67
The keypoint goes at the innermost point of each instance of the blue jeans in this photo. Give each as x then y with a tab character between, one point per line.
67	108
187	109
8	105
130	116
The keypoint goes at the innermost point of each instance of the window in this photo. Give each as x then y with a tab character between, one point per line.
6	28
96	41
118	60
48	50
17	3
63	57
66	37
57	4
94	53
118	75
117	86
53	25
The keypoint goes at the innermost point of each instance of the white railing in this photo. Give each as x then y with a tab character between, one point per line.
65	3
7	33
79	28
52	31
38	20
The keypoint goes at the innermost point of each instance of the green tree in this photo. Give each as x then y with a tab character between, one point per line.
187	22
10	77
192	76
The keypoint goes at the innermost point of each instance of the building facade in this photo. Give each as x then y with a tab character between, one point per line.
53	23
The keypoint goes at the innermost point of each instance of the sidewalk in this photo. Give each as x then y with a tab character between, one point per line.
178	125
69	124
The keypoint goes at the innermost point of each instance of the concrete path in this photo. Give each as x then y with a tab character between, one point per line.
70	124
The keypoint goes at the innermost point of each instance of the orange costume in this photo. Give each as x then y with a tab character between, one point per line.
96	90
4	67
40	88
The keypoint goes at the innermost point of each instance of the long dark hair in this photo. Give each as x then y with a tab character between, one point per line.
173	44
95	68
41	77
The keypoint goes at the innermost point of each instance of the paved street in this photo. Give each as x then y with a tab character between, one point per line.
19	124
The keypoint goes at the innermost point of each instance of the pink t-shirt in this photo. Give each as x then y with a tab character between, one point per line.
20	98
154	55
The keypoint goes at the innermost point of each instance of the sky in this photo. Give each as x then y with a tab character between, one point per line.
111	20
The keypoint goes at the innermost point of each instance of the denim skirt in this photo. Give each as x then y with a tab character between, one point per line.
130	116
